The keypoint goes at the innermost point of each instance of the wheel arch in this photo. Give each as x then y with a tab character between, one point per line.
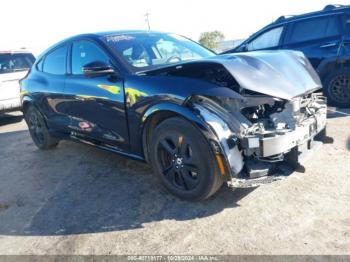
160	112
328	66
26	102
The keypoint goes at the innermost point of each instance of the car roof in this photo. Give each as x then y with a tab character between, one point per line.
107	33
121	32
93	36
329	9
96	35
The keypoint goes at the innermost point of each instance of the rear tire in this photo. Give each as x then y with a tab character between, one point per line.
38	129
183	160
337	88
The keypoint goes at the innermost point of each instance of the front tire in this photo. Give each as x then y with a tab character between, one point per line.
38	129
337	87
183	160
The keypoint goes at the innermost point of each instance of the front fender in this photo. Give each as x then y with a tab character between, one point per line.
330	64
175	108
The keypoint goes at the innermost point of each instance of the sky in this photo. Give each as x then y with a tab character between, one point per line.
37	24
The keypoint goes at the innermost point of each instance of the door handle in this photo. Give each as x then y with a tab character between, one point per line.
327	45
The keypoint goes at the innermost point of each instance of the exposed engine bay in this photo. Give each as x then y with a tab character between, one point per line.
264	129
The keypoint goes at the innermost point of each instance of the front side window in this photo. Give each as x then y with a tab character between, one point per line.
312	29
149	50
55	62
268	39
85	52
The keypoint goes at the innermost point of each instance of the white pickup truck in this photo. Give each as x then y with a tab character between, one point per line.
14	65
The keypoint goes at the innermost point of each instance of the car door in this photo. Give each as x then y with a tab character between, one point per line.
318	38
96	104
47	85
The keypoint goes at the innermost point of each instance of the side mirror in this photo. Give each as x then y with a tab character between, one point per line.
98	68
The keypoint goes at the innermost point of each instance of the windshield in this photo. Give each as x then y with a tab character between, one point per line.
149	50
15	62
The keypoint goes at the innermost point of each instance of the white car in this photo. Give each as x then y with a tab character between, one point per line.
14	65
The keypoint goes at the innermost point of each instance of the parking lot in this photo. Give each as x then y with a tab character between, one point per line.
80	200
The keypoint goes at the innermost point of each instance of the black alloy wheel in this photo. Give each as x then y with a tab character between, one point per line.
179	164
340	88
183	160
337	88
38	129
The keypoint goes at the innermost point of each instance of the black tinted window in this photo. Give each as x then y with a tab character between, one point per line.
15	62
55	62
85	52
314	29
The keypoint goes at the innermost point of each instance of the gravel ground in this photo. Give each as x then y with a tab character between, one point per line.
80	200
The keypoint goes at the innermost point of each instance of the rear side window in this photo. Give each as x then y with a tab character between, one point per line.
15	62
313	29
55	62
85	52
268	39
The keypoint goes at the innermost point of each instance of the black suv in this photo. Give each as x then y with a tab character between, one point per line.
323	36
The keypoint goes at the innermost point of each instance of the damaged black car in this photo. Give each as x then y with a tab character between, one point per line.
198	118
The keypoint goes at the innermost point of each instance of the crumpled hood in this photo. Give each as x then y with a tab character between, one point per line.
283	74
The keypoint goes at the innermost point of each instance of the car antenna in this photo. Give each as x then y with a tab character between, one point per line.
147	20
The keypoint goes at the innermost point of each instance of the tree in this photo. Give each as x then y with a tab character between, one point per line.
211	39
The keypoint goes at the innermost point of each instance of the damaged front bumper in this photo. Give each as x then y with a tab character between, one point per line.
269	144
252	150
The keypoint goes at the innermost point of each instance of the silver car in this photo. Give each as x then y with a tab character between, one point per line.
14	65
